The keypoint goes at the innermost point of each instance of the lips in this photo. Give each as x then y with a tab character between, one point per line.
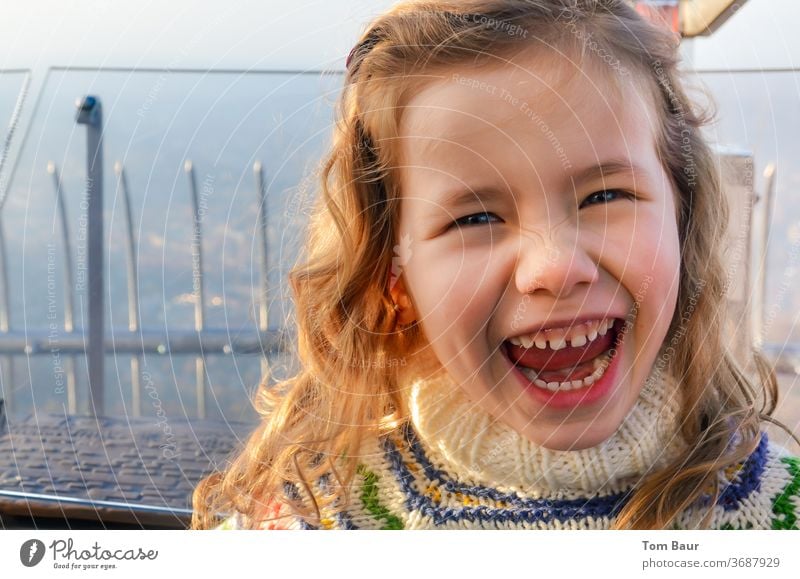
568	357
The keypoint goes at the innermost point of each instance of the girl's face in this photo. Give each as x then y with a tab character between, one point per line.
535	211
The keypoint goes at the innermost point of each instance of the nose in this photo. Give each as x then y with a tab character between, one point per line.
555	262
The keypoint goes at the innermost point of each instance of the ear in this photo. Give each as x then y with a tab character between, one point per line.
406	313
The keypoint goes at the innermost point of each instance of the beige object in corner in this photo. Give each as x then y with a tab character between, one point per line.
703	17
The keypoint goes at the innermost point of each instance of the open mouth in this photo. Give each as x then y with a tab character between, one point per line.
559	366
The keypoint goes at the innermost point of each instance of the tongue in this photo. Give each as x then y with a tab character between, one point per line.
575	363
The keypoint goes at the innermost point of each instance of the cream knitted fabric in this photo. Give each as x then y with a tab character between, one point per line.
463	438
454	467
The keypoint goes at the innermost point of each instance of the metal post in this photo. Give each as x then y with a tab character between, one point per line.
263	303
197	283
7	369
766	215
133	287
69	286
90	113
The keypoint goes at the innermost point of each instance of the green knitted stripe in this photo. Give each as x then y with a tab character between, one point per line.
730	527
369	498
783	506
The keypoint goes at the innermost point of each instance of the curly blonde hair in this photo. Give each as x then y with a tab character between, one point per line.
314	422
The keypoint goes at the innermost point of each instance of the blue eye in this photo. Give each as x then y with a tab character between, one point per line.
605	196
470	220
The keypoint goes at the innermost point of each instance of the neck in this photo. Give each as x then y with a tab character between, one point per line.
462	438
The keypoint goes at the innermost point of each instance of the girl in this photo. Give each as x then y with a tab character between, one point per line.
511	310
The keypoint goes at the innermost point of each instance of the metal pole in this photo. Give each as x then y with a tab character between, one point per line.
197	282
263	303
213	341
133	287
7	370
769	196
69	286
90	113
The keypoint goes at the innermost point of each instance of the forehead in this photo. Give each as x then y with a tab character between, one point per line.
544	112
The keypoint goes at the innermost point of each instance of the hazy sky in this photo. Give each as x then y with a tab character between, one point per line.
182	33
763	34
292	33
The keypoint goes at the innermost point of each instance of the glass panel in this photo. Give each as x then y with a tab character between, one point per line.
154	122
761	112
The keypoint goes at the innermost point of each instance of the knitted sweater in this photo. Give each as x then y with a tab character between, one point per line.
453	466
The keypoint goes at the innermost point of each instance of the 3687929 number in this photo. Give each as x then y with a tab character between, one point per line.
748	562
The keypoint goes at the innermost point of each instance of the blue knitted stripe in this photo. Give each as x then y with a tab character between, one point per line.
452	485
305	525
290	490
747	482
527	510
749	478
345	521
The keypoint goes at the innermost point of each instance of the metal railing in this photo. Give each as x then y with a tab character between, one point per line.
93	342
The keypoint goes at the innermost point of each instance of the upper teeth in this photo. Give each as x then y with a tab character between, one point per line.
557	338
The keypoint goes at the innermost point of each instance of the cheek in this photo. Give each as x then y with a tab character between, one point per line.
450	290
642	252
657	273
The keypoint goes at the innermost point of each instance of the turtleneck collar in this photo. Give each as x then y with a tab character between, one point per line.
469	443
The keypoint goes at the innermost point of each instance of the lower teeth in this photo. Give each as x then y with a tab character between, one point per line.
600	365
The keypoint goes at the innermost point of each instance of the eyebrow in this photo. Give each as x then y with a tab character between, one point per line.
605	169
609	168
470	195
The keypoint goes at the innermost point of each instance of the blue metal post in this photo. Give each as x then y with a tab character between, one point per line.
199	294
133	287
90	113
263	302
69	286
